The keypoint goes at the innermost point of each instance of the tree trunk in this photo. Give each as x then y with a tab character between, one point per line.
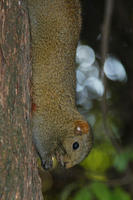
18	169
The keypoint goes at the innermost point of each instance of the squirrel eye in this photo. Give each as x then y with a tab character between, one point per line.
75	145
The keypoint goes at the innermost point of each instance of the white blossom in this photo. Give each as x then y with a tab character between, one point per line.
114	69
95	86
92	70
85	54
79	87
83	99
82	96
80	77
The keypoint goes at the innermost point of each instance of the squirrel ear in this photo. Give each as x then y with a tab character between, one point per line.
81	127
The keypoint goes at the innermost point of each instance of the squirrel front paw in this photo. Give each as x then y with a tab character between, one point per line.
46	161
47	164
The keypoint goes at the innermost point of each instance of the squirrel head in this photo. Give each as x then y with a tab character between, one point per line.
74	148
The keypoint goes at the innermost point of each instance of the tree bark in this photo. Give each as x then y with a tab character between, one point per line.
18	169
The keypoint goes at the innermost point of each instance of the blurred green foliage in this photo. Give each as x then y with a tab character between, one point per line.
83	194
121	161
100	158
100	191
96	191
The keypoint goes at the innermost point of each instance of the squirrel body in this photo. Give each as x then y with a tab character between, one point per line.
58	128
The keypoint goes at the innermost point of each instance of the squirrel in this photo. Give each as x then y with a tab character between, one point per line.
59	130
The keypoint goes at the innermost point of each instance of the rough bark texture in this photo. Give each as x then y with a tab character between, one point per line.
18	170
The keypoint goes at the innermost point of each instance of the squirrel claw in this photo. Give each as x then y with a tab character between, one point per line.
47	164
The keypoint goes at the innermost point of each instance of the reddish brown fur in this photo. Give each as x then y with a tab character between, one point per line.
85	128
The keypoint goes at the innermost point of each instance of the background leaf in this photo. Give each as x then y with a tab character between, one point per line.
83	194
